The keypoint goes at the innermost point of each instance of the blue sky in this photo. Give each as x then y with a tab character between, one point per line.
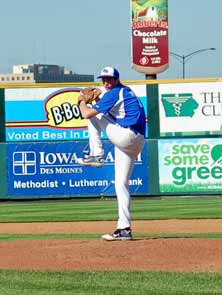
87	35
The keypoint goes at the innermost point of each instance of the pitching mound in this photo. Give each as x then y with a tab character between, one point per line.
150	254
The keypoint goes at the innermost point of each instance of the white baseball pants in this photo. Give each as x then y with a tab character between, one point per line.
127	146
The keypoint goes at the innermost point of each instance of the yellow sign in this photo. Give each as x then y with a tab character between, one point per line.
63	111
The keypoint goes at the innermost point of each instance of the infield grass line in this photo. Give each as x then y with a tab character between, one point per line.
14	237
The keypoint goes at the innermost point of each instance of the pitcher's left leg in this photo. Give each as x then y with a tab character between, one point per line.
123	169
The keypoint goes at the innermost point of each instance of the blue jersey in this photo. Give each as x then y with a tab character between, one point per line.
124	107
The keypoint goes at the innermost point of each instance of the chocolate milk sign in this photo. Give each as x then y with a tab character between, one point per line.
150	54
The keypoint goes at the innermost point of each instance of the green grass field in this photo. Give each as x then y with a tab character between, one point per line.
72	210
106	283
98	282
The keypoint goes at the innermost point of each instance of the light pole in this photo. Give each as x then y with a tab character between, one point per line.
184	58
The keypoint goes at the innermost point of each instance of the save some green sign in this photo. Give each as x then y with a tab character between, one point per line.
190	165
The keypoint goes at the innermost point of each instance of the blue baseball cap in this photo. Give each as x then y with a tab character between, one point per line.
109	72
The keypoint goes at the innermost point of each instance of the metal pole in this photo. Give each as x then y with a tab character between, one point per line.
183	57
150	76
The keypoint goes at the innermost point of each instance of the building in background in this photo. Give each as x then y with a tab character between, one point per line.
43	73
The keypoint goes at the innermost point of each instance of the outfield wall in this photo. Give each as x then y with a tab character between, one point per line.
42	133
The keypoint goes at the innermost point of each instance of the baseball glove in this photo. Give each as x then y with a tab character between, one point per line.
89	94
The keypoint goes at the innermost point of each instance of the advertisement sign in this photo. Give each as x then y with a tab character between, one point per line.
190	109
3	171
190	165
48	114
50	169
149	21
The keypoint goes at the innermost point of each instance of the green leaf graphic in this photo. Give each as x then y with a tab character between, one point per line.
216	154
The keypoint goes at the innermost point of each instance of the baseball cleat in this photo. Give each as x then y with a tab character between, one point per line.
95	161
119	235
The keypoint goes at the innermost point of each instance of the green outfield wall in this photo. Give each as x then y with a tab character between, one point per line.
42	133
